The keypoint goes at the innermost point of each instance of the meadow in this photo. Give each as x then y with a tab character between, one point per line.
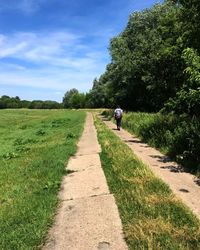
152	217
35	146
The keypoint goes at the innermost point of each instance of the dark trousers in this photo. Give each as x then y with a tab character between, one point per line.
119	122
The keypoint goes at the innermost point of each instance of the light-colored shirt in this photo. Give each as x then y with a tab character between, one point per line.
118	112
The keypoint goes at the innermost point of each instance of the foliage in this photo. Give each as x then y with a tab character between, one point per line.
15	102
156	66
176	136
146	67
154	61
99	95
190	23
37	104
187	100
31	169
74	99
152	217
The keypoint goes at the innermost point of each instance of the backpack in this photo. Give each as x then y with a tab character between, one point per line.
118	113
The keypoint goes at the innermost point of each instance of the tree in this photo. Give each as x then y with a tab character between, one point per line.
67	97
190	22
74	99
187	100
146	67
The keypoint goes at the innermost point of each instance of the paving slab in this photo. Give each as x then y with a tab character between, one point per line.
184	185
87	218
92	223
83	162
86	183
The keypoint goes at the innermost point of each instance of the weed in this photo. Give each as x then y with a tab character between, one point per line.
52	185
18	141
10	155
59	122
21	149
23	141
23	127
70	135
40	132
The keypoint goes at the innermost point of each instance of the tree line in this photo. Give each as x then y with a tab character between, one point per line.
16	102
155	62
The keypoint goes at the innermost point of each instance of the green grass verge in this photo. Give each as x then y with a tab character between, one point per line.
152	217
35	146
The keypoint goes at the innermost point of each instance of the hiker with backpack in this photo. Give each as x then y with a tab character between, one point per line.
118	116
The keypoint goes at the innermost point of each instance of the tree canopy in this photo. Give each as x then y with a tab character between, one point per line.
154	61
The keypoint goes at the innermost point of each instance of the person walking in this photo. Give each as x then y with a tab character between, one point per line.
118	116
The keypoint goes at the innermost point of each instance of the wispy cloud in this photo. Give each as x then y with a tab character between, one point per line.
36	46
26	6
56	48
57	44
56	60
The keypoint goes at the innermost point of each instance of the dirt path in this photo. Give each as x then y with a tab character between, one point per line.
88	218
184	185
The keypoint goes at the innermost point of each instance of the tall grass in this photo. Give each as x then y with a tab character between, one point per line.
178	137
152	217
35	146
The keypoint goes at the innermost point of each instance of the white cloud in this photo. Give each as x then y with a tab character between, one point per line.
36	46
55	60
59	49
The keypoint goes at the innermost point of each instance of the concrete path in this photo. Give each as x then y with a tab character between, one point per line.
183	184
88	217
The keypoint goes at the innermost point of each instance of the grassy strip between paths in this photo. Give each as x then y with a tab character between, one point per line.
35	145
152	217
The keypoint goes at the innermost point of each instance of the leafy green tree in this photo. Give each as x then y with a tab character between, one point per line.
187	100
36	104
100	95
68	96
74	99
10	102
190	22
146	67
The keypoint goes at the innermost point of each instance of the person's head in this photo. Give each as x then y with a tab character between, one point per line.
118	107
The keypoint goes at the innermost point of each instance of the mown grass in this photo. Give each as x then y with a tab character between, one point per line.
35	146
152	217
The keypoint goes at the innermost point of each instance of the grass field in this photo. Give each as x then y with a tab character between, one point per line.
34	148
152	217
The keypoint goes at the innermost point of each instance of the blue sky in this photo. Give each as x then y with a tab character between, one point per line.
50	46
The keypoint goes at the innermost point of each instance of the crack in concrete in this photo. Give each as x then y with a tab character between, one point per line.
87	217
182	184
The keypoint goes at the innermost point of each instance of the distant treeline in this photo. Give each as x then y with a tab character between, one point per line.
72	99
15	102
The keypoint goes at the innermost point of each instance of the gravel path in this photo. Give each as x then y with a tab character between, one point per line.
184	185
88	217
